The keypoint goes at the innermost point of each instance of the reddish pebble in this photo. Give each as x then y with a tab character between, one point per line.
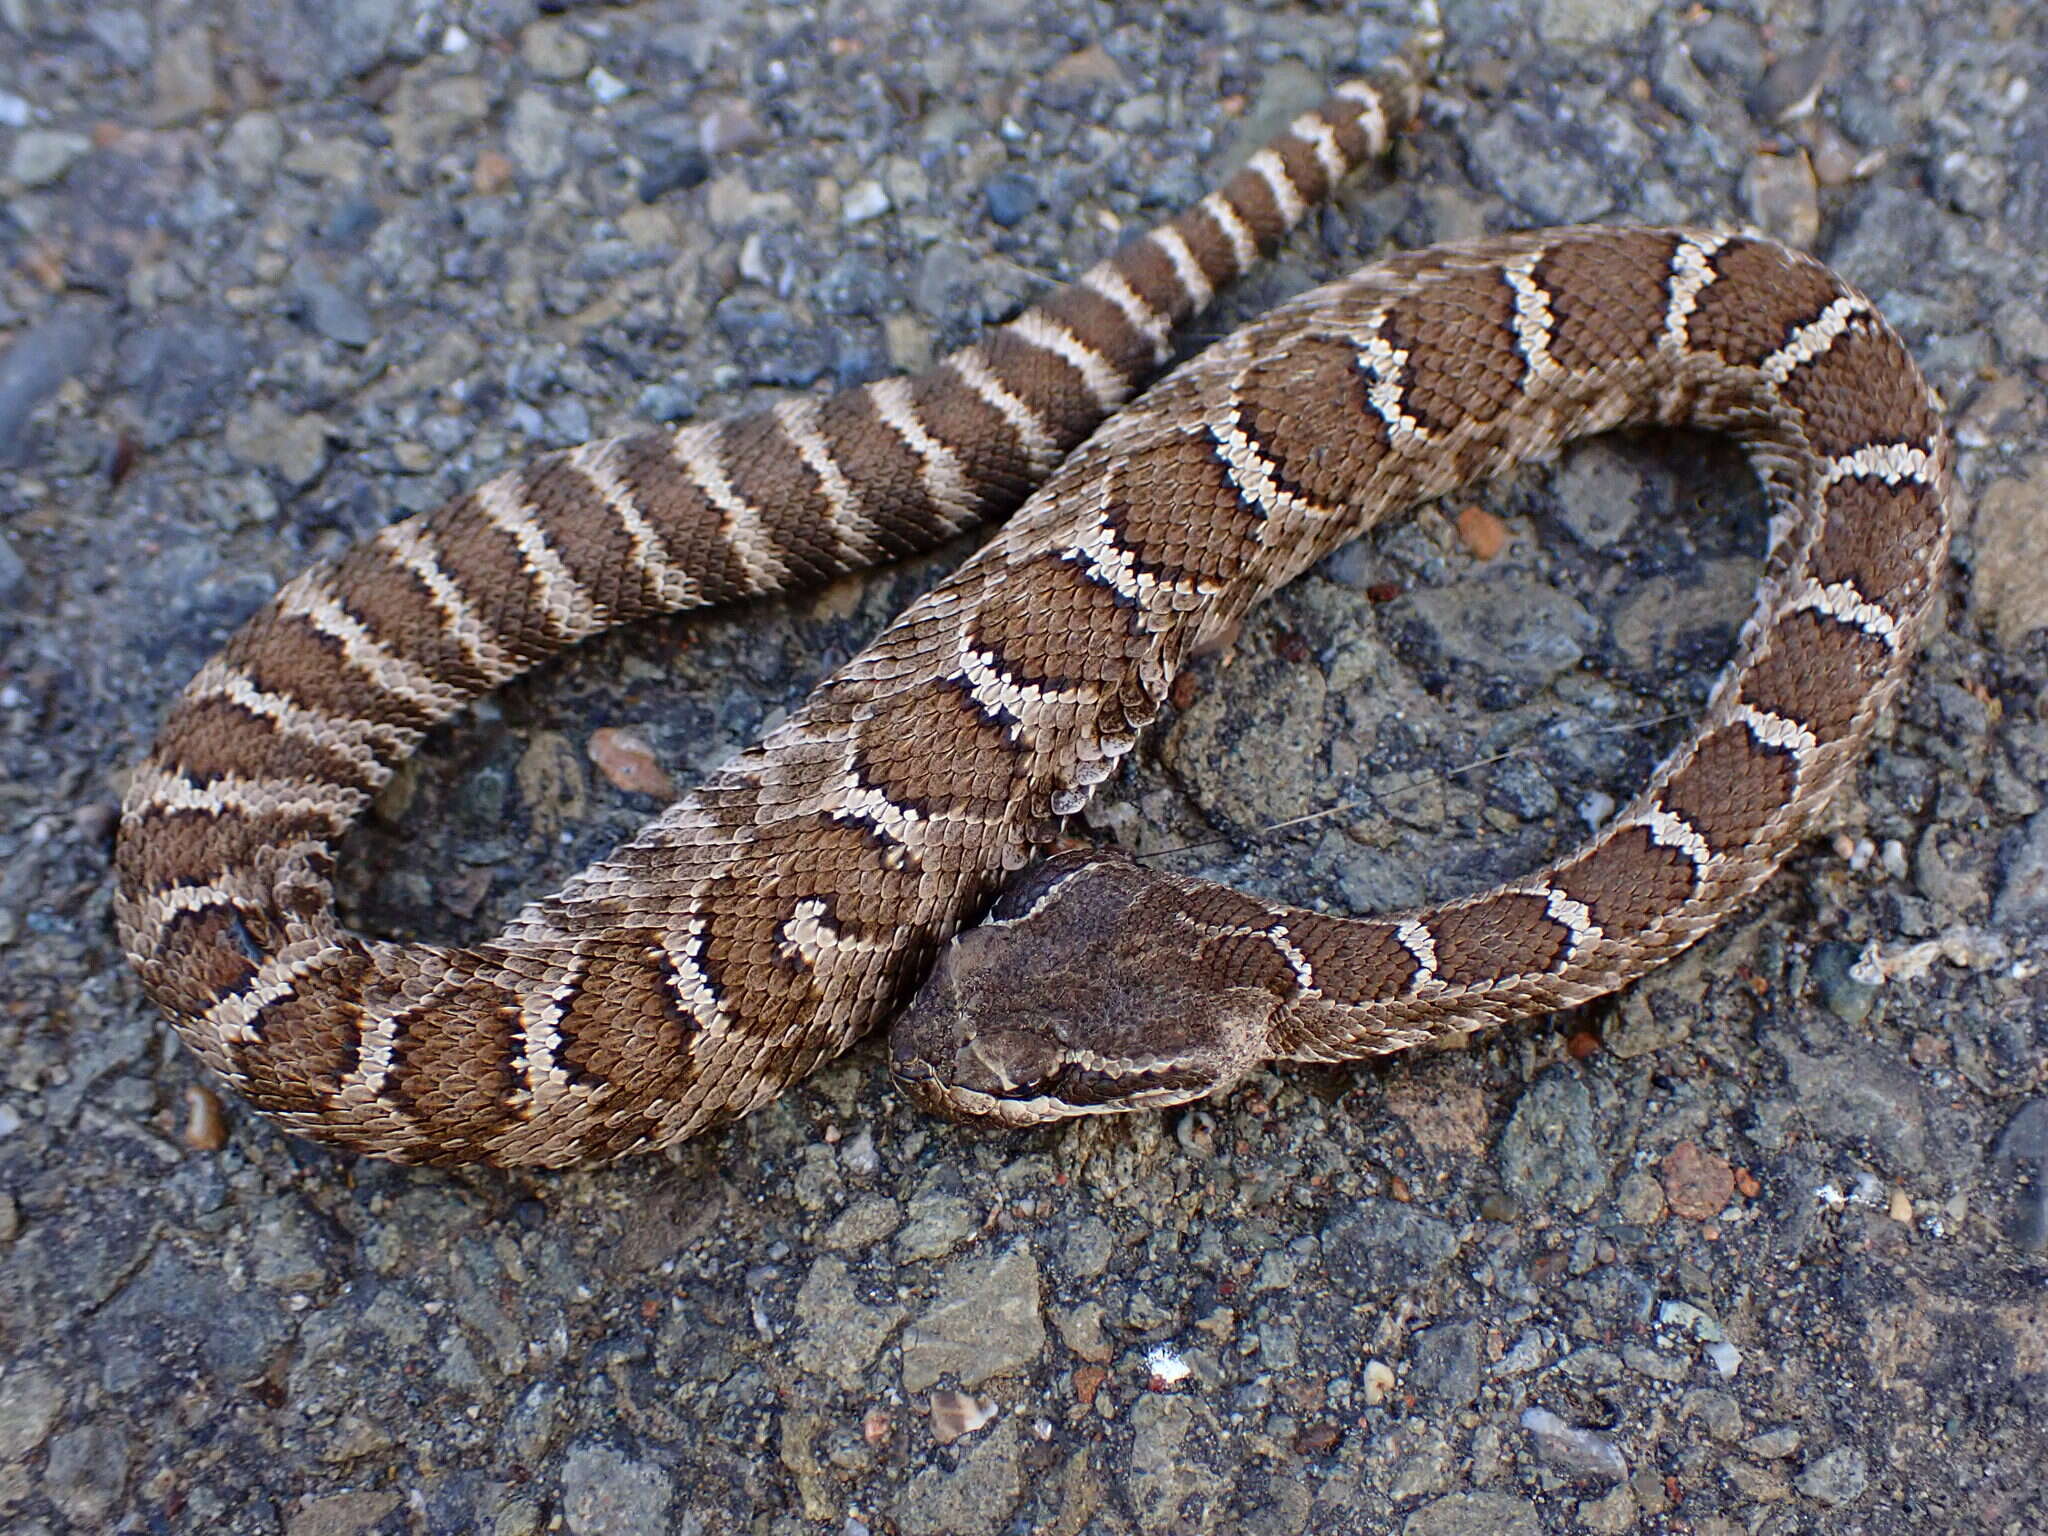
623	756
1484	534
1698	1184
493	173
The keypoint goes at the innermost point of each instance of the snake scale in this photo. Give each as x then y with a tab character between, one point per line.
764	922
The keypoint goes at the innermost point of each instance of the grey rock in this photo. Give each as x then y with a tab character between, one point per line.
1169	1472
2022	900
1727	48
1849	998
775	348
1444	1363
13	571
181	373
674	169
607	1493
1592	23
554	51
1598	492
2020	1158
1380	1248
1576	1452
1088	1248
986	1322
973	1499
316	44
1011	196
1516	151
1837	1478
233	1331
331	310
1791	85
295	448
124	32
42	155
937	1224
56	348
86	1471
352	1512
1858	1097
539	136
31	1398
868	1221
1513	629
1474	1514
253	145
1250	756
840	1335
1549	1150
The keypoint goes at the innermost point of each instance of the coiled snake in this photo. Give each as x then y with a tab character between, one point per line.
769	918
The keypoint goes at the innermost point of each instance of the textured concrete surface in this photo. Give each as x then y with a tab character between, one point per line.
1762	1245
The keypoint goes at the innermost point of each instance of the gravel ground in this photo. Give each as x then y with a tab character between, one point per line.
1760	1246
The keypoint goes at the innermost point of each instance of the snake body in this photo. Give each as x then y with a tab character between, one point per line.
793	901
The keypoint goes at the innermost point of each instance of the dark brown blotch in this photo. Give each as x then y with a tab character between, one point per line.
452	1057
1731	788
1308	409
1878	537
486	564
1499	936
1817	671
404	615
1629	881
767	472
1760	295
587	536
1150	272
1251	198
1174	509
1047	383
197	847
1105	330
1354	961
999	471
1607	295
886	473
623	1023
202	956
1464	364
1209	243
288	656
935	751
1863	390
205	740
1048	625
1304	167
692	531
310	1041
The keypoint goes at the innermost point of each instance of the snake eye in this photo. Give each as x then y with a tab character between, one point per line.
1009	1061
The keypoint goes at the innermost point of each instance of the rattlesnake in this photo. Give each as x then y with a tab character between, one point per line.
772	916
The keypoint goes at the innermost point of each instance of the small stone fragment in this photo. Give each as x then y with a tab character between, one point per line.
206	1125
1835	1479
956	1414
1573	1451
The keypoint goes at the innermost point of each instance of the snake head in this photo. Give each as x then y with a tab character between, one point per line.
1081	993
